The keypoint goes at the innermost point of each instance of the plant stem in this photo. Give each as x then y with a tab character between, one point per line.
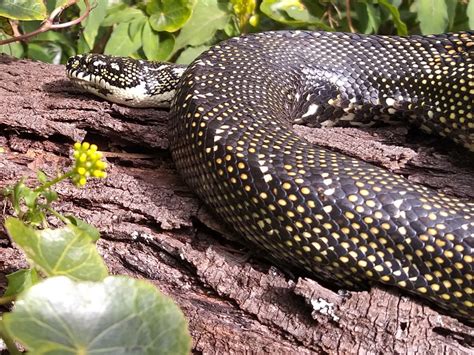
50	183
12	349
58	215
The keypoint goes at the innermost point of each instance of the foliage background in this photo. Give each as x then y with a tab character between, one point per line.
178	30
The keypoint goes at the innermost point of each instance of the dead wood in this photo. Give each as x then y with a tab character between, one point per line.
153	227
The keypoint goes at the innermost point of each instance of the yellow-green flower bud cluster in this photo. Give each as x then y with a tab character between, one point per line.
88	163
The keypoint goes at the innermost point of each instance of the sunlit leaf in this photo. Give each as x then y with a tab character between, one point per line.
89	229
26	10
119	315
66	251
120	43
190	53
433	15
20	281
157	46
169	15
121	14
92	23
293	12
470	14
208	17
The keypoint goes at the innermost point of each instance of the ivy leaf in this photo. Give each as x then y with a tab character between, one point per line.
169	15
208	17
25	10
119	315
470	14
433	16
190	53
89	229
66	251
120	14
293	12
92	23
120	42
156	46
49	52
20	281
402	29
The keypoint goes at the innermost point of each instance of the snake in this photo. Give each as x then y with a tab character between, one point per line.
232	139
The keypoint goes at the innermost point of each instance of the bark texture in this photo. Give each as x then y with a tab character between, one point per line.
153	227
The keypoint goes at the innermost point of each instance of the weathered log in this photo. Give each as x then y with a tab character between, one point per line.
153	227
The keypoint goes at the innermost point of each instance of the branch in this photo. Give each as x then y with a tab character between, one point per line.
49	24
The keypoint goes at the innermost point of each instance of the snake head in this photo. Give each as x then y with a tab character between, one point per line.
126	81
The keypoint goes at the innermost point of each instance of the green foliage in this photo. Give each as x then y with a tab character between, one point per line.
179	30
68	251
26	10
117	316
65	303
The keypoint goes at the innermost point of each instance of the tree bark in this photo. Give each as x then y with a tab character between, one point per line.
154	227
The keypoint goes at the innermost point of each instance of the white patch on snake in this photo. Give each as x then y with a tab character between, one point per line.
329	192
348	117
397	203
263	169
328	123
327	182
99	62
311	110
115	66
217	138
178	71
267	177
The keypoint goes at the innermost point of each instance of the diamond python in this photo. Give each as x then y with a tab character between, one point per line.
232	140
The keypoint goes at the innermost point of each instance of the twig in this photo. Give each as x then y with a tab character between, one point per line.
49	24
348	15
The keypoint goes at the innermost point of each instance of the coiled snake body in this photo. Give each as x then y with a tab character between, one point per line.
332	215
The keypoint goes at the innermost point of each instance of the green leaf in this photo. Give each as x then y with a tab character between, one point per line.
20	281
5	26
14	49
156	46
451	6
208	17
41	176
191	53
433	15
470	14
399	24
25	10
30	197
49	52
119	315
372	15
293	12
169	15
89	229
66	251
50	195
136	27
121	14
92	23
120	43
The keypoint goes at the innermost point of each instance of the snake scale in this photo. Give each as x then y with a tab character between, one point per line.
339	218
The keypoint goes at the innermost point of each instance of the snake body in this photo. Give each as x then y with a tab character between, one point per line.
337	217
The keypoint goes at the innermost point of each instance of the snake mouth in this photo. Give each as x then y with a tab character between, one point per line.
89	82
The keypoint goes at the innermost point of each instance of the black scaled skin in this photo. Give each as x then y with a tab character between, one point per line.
332	215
